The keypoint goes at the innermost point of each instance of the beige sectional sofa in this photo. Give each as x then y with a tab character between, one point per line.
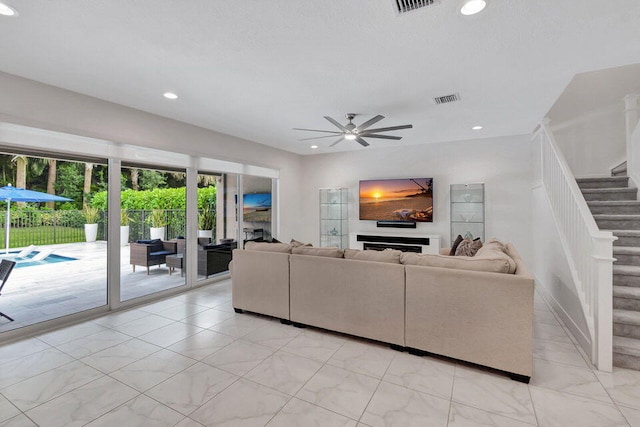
453	310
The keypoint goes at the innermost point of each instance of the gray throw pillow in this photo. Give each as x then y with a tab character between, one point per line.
468	247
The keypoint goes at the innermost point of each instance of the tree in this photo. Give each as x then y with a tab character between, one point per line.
51	180
69	181
135	173
88	172
152	179
21	170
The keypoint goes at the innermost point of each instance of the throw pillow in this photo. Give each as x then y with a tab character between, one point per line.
294	243
390	255
459	239
327	252
468	247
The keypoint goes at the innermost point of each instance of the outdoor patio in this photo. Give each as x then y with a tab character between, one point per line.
42	292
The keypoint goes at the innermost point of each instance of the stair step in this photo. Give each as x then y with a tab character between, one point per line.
626	317
626	270
626	323
617	222
626	250
626	275
621	169
625	345
614	207
626	237
610	194
606	182
626	298
626	352
627	255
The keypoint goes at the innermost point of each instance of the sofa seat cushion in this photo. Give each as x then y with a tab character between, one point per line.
326	252
268	247
390	256
160	253
490	265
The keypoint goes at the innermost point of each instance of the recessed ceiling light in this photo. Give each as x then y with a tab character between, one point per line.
314	147
7	10
170	95
471	7
476	127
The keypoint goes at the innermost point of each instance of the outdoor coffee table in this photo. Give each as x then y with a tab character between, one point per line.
175	261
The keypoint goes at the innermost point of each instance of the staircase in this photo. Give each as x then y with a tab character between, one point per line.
615	207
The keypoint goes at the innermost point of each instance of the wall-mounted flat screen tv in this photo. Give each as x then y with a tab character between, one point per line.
409	199
256	207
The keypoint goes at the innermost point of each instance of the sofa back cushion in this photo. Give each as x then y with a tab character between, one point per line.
326	252
268	247
490	265
390	256
495	249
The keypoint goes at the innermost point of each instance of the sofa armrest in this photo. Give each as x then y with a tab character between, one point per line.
260	282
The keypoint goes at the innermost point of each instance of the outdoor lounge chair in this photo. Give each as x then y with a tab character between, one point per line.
25	252
20	255
150	252
42	254
6	267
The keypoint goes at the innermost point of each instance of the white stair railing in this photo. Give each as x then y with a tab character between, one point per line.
589	251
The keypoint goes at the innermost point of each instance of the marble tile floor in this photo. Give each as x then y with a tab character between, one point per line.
190	361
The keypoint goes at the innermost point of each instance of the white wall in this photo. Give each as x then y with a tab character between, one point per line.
551	268
503	164
37	105
594	143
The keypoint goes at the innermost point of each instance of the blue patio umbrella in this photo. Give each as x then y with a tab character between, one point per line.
10	193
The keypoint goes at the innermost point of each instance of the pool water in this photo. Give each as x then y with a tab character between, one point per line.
28	262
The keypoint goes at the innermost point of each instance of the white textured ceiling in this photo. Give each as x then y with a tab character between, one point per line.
257	68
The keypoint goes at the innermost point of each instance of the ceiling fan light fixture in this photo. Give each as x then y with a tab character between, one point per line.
350	136
6	10
471	7
478	127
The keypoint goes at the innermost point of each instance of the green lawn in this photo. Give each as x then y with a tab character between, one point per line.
43	235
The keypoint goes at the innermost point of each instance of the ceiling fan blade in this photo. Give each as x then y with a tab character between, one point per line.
368	123
335	143
318	130
336	124
317	137
366	135
389	129
362	141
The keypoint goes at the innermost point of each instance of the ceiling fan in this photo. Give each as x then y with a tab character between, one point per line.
356	133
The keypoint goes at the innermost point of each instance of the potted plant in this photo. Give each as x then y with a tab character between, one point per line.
125	219
158	222
206	222
91	216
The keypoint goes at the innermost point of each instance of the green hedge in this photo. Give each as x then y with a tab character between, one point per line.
158	198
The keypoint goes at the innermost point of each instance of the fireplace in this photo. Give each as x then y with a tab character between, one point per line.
383	246
404	241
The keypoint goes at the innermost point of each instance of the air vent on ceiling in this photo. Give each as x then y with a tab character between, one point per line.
447	98
404	6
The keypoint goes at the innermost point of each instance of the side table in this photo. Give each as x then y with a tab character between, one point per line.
175	261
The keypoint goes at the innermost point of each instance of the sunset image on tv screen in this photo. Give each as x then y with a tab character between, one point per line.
397	200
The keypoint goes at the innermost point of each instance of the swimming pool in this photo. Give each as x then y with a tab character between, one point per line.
28	262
